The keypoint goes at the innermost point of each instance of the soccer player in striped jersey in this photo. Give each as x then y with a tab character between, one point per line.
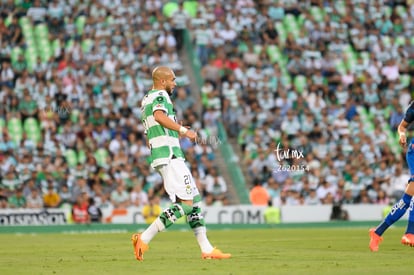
406	202
163	133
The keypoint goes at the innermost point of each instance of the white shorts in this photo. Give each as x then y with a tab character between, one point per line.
178	181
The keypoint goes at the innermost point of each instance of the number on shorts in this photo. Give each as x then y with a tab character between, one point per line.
187	179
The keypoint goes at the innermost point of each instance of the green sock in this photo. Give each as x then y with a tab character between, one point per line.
196	221
174	212
195	218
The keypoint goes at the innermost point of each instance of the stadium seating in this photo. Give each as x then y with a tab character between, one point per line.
15	129
303	18
95	29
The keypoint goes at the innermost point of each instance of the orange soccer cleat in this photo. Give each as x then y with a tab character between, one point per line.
374	241
408	239
139	247
215	254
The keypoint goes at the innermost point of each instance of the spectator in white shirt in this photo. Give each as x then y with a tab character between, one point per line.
138	196
216	187
291	124
390	71
37	13
6	75
110	64
228	34
166	40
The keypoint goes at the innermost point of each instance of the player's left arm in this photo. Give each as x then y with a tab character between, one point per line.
166	122
402	128
159	110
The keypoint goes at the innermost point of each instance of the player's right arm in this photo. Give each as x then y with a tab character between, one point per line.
165	121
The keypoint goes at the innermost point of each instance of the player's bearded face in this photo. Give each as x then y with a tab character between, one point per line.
169	89
170	85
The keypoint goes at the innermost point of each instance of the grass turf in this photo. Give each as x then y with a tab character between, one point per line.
263	251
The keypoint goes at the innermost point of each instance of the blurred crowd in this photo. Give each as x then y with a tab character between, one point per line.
329	79
71	81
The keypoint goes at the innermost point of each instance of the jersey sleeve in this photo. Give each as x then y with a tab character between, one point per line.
160	103
409	114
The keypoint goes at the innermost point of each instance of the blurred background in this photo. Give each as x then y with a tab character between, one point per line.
322	83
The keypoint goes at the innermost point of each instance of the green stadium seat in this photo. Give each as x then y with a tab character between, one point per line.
388	11
31	58
405	80
8	20
300	83
74	115
69	44
24	21
32	129
281	31
15	129
286	79
275	54
191	7
46	53
300	20
401	11
169	8
109	20
340	66
16	51
42	43
340	6
349	50
400	40
81	156
386	40
80	24
41	31
101	156
14	123
34	134
257	48
367	118
26	25
317	13
28	33
30	123
71	158
86	45
289	22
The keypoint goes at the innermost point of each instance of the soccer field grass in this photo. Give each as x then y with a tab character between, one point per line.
261	251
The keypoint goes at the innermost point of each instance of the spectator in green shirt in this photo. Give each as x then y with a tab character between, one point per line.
19	65
27	107
17	200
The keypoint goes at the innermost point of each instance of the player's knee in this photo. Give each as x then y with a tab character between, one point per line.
187	207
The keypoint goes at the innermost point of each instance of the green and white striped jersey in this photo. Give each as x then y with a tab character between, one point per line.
163	142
